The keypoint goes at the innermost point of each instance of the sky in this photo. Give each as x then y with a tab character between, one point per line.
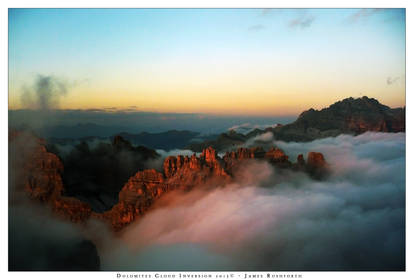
263	62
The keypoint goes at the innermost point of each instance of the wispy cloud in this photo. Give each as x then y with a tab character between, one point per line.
262	220
256	27
266	12
114	109
270	12
392	80
303	21
362	14
47	90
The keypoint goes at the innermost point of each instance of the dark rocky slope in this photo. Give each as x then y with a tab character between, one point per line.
97	174
349	116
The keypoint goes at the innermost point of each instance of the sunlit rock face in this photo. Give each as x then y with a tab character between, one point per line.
316	160
32	168
316	165
35	185
41	179
274	156
207	165
145	187
72	209
38	172
187	172
232	159
278	157
135	198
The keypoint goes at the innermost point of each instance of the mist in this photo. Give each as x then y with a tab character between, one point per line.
37	239
282	220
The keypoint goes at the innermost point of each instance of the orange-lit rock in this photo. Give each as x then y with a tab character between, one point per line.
145	187
277	157
40	176
209	155
135	198
147	183
316	160
316	165
234	158
72	209
41	179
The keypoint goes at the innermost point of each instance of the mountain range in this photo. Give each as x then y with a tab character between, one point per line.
349	116
117	183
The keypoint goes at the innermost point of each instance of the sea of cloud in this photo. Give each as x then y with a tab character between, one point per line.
281	220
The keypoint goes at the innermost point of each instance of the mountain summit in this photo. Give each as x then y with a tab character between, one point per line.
349	116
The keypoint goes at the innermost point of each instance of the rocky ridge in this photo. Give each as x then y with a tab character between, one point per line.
352	116
42	180
39	173
349	116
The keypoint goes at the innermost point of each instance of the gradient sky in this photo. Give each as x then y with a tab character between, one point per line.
221	61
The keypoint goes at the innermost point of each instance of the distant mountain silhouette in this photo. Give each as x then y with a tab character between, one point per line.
349	116
223	141
166	140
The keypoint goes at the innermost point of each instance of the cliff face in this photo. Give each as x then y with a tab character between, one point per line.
97	173
316	165
42	170
35	177
145	187
194	170
38	172
183	172
135	198
274	155
43	180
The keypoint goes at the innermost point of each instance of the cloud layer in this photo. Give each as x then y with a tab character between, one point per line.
281	220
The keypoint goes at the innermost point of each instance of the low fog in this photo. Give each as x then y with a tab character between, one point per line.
273	220
266	219
37	239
